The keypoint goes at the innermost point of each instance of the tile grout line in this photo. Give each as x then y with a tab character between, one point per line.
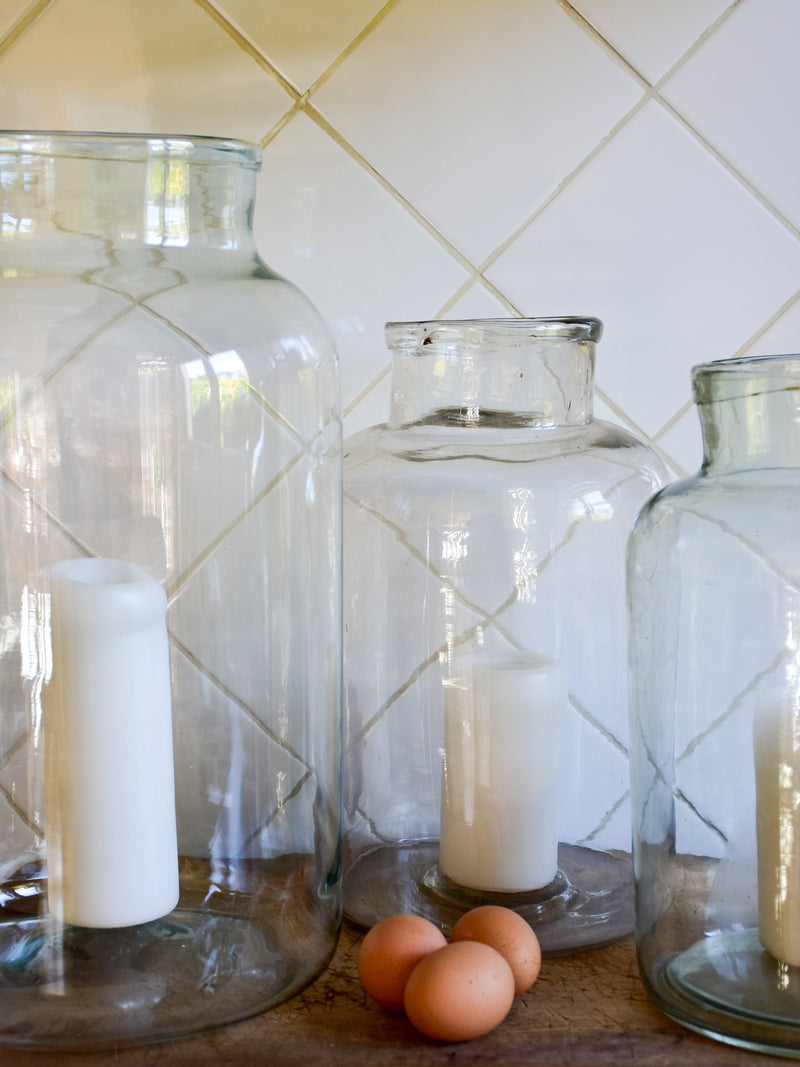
18	27
759	333
653	92
566	181
249	46
351	47
733	171
387	186
650	92
776	316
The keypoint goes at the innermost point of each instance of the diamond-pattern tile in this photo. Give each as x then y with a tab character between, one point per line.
477	115
314	204
143	66
302	38
426	99
653	35
286	663
741	90
221	745
87	397
653	196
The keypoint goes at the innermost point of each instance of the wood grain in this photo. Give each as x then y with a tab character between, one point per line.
588	1010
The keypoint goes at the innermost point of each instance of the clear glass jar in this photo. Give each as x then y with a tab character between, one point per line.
485	700
714	601
170	479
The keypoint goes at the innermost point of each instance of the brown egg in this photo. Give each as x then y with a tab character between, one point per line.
509	934
461	991
389	953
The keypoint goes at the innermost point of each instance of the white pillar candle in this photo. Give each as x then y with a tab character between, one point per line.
499	818
776	745
112	854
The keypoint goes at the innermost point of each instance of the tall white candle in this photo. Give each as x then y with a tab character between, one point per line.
776	746
112	852
499	817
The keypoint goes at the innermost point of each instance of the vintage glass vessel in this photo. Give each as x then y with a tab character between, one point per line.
714	595
170	479
485	696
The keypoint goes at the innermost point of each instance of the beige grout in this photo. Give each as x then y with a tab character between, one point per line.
709	31
16	30
567	180
248	45
301	102
346	52
733	171
603	43
759	333
374	173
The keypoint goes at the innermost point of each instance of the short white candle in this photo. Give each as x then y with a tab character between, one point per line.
776	744
500	781
112	854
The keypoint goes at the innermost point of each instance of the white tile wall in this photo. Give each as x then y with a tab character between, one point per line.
632	159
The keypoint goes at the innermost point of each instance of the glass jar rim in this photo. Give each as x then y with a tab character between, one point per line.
478	331
738	376
129	147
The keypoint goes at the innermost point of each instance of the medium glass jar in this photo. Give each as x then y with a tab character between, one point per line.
714	601
170	479
485	698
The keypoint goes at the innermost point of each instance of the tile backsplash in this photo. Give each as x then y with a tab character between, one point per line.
630	159
633	160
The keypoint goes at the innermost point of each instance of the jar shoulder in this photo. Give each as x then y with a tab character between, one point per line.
701	520
384	446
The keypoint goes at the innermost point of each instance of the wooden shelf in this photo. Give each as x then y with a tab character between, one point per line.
588	1010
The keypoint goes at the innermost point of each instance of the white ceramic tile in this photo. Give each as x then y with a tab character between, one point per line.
741	90
144	65
656	239
351	247
304	37
651	34
476	110
782	338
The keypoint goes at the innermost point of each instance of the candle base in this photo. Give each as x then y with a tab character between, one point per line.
730	988
588	904
538	905
80	988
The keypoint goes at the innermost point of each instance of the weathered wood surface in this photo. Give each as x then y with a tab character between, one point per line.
588	1010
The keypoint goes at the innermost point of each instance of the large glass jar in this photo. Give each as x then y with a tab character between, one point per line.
485	695
170	478
714	591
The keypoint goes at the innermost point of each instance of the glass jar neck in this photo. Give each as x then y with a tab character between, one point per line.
143	190
749	413
493	373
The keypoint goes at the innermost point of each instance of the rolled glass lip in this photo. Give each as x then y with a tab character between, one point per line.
739	376
515	331
129	147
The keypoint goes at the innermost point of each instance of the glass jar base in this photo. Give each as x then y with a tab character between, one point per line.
589	903
76	988
730	988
